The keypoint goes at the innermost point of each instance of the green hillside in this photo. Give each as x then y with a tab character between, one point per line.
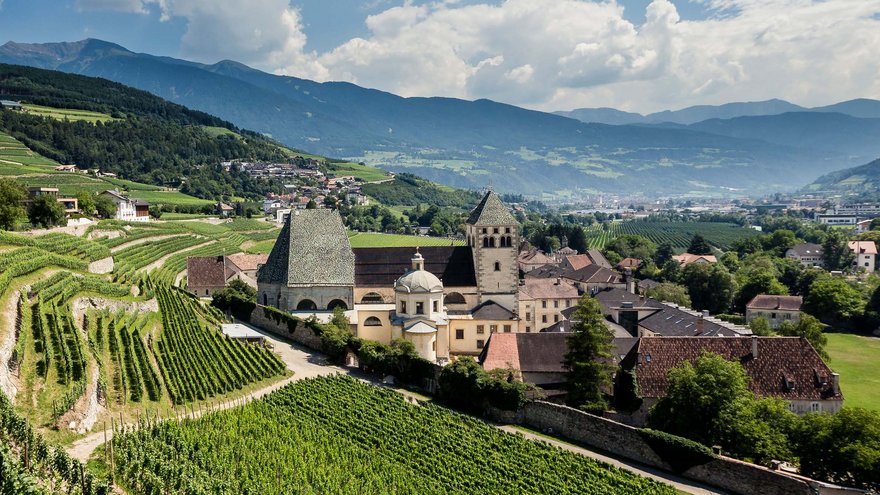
863	181
410	190
98	124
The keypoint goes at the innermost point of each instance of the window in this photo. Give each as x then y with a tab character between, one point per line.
480	344
528	329
372	322
493	328
484	230
568	303
420	308
497	266
528	317
435	305
543	318
481	329
459	333
206	292
495	230
555	318
543	304
814	407
403	306
506	328
772	316
372	298
555	304
506	230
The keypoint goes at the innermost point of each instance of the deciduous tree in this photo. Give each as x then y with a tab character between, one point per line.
11	195
46	211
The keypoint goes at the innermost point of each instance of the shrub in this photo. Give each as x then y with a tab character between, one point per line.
680	453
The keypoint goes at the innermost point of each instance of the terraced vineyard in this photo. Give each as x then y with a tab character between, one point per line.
679	234
339	435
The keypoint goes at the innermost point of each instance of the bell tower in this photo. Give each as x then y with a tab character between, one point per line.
493	235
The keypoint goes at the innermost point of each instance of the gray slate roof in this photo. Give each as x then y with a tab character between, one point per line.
312	250
491	211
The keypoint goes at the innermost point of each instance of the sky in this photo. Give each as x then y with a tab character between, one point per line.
635	55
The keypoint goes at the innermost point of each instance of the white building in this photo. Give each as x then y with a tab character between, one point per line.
128	209
866	254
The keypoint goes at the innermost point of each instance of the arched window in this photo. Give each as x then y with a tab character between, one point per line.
509	241
337	303
372	298
454	298
265	299
497	266
485	242
372	322
306	305
491	242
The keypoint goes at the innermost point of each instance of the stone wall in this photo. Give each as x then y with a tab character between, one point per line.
625	441
296	331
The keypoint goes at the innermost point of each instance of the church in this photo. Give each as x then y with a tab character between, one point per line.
446	300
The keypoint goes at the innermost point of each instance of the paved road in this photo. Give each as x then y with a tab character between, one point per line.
309	364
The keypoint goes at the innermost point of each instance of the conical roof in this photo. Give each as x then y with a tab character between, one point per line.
491	211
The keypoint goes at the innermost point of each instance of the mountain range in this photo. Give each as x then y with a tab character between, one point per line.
740	149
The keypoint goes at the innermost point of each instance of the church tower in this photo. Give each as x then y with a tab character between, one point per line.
493	235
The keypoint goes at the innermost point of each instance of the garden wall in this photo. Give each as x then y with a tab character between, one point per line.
286	326
625	441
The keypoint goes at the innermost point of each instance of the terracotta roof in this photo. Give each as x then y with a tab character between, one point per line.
589	274
629	263
380	267
547	288
785	367
247	262
785	303
688	258
578	261
863	247
534	257
312	250
491	211
804	250
565	251
501	352
205	271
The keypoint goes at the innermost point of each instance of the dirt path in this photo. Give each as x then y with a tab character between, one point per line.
303	363
161	261
7	326
141	241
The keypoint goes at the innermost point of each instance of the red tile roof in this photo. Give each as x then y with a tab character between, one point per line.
785	367
629	263
247	262
205	271
688	258
501	352
547	288
578	261
785	303
863	247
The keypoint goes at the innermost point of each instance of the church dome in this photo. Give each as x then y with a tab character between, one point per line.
418	280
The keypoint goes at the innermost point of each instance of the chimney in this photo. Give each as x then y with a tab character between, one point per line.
629	281
558	280
700	325
835	383
754	347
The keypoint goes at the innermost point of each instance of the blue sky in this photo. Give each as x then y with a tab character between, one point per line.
638	55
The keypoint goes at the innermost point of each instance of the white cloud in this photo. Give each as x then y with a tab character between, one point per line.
558	54
132	6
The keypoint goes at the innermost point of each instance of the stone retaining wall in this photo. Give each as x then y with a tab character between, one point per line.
297	332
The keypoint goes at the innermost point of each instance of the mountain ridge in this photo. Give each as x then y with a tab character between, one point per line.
456	142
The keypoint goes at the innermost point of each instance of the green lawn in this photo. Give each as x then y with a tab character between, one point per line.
857	359
365	173
371	239
169	198
261	247
68	114
219	131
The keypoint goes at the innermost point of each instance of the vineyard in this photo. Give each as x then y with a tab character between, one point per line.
339	435
679	234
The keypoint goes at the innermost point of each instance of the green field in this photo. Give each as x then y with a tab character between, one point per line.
342	436
169	198
373	239
857	359
70	114
219	131
364	173
679	234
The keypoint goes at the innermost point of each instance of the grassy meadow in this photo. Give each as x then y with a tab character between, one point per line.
70	114
857	359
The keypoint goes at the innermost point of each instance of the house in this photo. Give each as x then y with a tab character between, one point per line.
127	209
245	267
807	254
11	105
224	210
787	368
541	301
575	262
685	259
598	258
447	300
631	264
243	333
530	258
590	278
647	284
539	358
863	226
70	204
837	219
205	275
66	168
775	309
866	255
